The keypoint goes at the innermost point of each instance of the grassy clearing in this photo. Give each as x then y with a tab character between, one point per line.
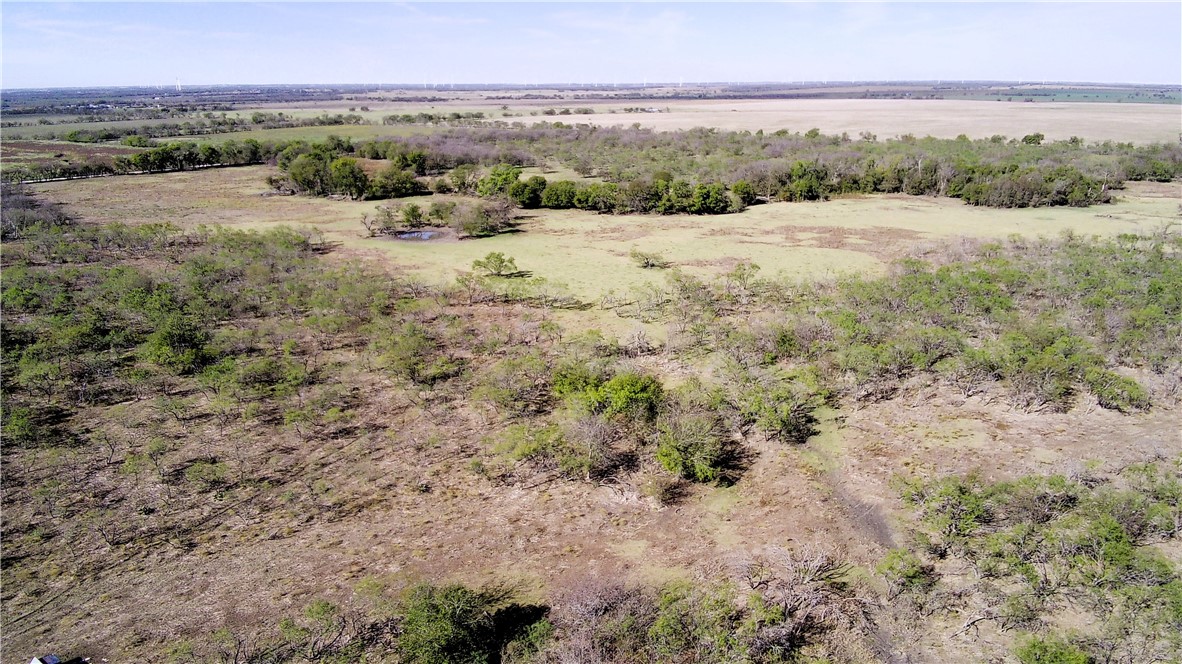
589	253
553	171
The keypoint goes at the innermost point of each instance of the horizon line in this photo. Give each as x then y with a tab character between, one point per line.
625	84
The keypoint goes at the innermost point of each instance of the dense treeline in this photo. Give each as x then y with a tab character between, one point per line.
105	110
470	117
114	115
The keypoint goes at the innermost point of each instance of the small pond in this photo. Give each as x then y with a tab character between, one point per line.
415	235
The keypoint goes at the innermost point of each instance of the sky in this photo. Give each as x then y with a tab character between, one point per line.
49	44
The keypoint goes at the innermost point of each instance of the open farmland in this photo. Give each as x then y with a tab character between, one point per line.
1139	123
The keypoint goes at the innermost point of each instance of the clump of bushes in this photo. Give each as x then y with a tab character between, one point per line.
692	445
906	572
454	624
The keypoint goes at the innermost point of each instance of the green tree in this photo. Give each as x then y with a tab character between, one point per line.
394	182
709	199
309	173
347	178
635	395
496	263
463	178
20	428
1050	651
745	191
905	571
598	197
178	344
690	445
449	624
498	181
528	193
560	195
412	215
412	353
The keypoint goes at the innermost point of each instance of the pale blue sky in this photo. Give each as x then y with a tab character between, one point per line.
92	44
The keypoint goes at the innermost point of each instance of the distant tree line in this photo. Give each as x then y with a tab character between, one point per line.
173	156
104	111
120	115
176	156
582	110
697	171
317	170
431	118
208	125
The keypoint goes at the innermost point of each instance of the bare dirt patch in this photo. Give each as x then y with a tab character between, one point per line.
878	241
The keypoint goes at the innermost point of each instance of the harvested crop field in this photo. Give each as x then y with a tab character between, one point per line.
1138	123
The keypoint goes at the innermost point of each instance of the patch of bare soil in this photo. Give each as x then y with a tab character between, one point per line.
1153	189
629	232
879	241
